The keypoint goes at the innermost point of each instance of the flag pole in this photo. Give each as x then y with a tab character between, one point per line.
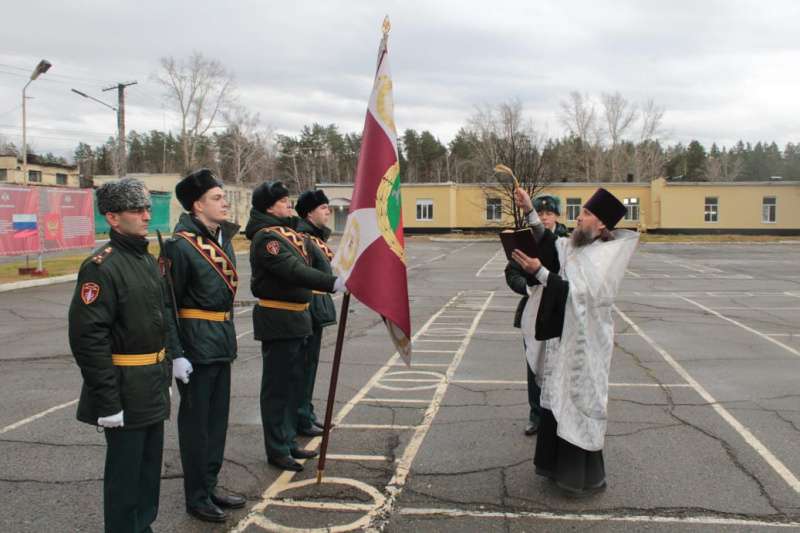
337	357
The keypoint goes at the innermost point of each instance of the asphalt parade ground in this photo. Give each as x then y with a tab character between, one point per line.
704	417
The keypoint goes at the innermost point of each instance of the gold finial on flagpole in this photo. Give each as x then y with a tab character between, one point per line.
387	25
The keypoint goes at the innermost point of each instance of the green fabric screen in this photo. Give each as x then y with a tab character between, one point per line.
159	222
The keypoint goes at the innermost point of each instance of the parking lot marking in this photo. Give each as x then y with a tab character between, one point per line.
597	517
746	328
37	416
385	498
745	433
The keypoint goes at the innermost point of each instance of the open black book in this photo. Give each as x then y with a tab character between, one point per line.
522	239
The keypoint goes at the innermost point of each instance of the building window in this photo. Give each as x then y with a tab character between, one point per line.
769	212
632	205
573	209
494	209
425	209
61	179
3	174
35	176
712	209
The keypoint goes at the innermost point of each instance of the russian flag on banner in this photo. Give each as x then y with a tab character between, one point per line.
24	226
371	257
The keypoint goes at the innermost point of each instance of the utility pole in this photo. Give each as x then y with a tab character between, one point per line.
120	87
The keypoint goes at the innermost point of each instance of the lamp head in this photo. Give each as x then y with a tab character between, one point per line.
43	66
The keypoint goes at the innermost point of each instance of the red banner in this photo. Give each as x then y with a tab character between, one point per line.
19	220
45	219
68	219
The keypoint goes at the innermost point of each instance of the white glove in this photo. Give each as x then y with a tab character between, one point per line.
339	285
181	368
113	421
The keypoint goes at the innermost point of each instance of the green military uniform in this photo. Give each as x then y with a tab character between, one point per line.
323	313
283	280
519	281
203	271
117	332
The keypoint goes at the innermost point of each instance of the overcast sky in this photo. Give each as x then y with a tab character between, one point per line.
722	70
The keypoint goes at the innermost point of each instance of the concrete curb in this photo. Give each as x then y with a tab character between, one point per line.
37	282
51	281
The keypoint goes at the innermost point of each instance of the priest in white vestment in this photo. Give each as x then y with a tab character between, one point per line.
575	380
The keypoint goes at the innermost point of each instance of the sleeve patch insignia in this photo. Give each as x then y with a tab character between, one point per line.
89	292
273	247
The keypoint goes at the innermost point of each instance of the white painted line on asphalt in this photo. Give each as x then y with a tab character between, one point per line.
430	351
485	265
373	426
592	517
506	382
393	400
745	433
243	311
416	365
757	308
239	336
37	416
498	332
632	273
746	328
353	457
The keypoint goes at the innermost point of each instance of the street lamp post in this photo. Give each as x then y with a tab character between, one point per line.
43	66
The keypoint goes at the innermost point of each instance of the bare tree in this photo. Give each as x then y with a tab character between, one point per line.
200	88
619	116
243	149
577	115
724	166
648	156
504	137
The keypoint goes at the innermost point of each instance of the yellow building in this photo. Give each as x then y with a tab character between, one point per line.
38	174
663	206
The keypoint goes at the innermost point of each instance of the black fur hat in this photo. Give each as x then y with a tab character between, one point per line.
606	207
266	194
118	195
194	186
308	201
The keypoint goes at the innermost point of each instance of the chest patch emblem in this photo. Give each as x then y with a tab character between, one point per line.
89	292
273	247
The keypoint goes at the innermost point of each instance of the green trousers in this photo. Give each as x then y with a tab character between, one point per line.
281	386
202	429
132	478
305	413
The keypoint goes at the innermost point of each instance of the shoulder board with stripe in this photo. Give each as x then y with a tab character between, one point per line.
100	257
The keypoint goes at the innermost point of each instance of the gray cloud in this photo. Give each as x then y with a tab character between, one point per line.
722	70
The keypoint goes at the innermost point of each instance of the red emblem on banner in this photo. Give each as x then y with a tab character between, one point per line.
89	292
273	247
52	227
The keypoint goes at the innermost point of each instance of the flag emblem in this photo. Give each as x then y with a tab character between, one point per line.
24	226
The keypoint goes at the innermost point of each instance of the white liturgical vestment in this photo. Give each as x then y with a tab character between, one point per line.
575	381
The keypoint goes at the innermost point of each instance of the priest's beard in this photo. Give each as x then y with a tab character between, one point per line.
581	237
